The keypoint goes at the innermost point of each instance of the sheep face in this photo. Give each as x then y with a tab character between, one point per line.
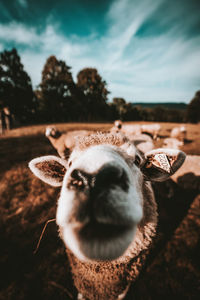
105	203
52	132
101	200
118	124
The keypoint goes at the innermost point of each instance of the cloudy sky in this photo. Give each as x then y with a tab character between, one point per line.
146	50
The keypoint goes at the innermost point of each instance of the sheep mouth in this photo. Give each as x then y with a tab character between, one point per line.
101	231
103	242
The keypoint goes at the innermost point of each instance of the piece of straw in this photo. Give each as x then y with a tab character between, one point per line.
43	230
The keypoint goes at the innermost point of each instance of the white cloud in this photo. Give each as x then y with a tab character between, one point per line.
23	3
126	16
162	68
18	33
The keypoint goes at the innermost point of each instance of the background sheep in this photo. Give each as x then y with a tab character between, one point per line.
63	142
118	124
131	129
143	142
175	195
179	133
104	265
189	174
125	128
152	129
117	127
173	143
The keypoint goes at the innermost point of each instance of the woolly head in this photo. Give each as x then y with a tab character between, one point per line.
182	129
102	198
52	131
118	124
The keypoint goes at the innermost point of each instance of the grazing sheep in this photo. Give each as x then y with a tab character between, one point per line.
172	143
63	143
191	170
145	146
131	129
106	212
117	127
179	133
118	124
125	128
143	142
152	129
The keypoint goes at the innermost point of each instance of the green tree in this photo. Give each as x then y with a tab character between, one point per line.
123	108
193	109
95	91
58	94
159	114
120	104
15	87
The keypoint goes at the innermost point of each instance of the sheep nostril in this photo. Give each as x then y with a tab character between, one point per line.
112	175
78	179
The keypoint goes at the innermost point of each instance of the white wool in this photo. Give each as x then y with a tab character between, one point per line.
179	133
172	143
152	129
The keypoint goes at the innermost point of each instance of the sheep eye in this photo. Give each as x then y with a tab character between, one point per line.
137	160
70	163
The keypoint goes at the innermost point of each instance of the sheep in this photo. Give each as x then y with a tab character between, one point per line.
117	127
106	211
190	170
143	142
131	129
118	124
179	133
63	143
152	129
172	143
125	128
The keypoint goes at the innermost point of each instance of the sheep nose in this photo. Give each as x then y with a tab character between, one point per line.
107	176
112	176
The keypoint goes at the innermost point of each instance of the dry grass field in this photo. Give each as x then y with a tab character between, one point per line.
26	204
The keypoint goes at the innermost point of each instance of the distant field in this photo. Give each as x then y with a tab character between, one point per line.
26	204
22	144
192	145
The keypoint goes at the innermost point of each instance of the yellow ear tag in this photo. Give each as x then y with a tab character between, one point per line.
161	161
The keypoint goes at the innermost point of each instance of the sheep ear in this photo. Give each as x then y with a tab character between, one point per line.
50	169
160	164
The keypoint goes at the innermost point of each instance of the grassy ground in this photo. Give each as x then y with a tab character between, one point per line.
26	204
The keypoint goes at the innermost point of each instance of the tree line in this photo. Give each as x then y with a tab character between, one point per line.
59	99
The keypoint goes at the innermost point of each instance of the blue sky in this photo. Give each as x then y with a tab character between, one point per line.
146	50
